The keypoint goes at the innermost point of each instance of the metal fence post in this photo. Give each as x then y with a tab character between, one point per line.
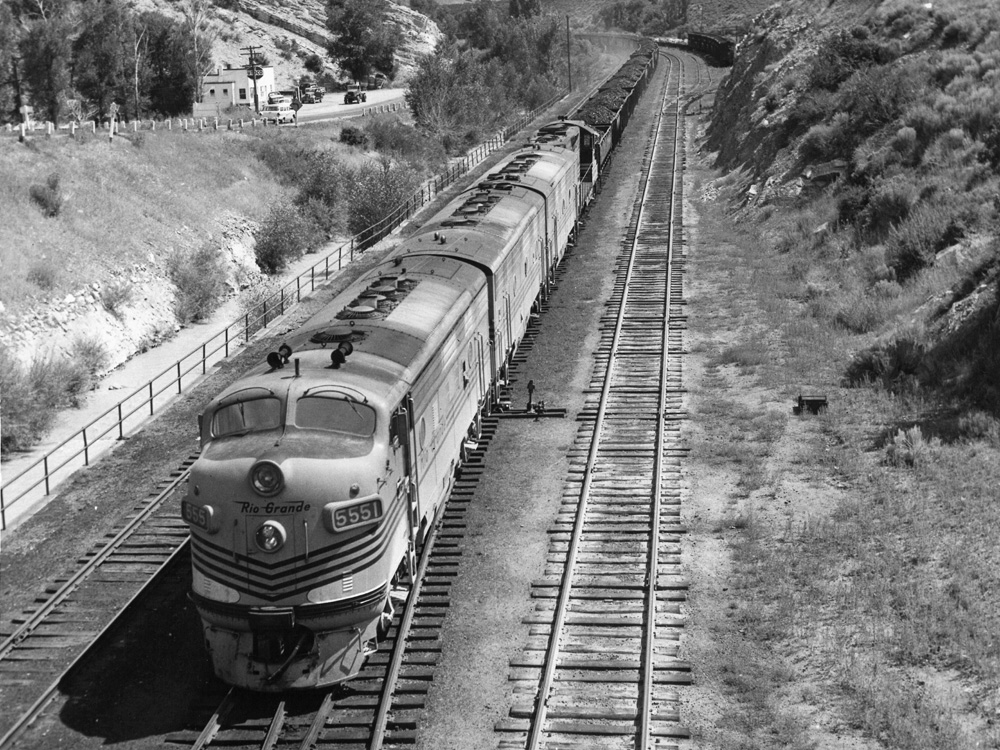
204	357
179	387
121	430
86	449
45	468
150	398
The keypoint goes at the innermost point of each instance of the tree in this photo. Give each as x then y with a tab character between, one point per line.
10	98
102	64
525	8
200	35
364	37
170	83
46	53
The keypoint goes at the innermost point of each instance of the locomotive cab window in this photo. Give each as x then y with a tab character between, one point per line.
335	414
241	417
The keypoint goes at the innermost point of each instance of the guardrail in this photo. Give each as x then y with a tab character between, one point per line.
130	412
183	124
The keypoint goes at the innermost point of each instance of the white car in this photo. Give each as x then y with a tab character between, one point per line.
279	113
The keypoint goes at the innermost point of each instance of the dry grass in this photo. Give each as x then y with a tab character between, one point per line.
890	595
169	193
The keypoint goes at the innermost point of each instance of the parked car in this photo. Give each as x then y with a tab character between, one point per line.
279	113
355	94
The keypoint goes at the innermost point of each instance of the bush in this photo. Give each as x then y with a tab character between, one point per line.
376	192
913	244
908	447
979	425
392	136
32	394
44	275
200	278
257	303
861	313
889	364
844	52
91	354
355	136
888	205
49	196
116	294
283	237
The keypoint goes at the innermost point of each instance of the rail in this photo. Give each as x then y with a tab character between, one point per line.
130	412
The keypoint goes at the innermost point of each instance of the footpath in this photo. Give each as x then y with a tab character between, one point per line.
120	383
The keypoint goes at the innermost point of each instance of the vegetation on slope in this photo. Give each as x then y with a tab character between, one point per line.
863	604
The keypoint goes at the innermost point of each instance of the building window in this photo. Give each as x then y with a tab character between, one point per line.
211	92
225	91
243	93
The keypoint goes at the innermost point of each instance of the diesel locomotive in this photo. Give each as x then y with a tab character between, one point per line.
322	469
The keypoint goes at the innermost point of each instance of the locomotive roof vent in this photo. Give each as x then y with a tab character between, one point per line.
459	222
337	335
358	312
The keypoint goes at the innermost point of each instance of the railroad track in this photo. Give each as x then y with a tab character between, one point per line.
600	668
380	707
77	610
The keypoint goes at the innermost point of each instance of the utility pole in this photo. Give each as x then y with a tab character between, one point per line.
252	70
569	64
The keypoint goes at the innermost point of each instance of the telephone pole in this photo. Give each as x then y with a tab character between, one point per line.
253	71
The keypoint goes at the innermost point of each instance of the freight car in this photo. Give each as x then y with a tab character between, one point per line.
718	48
322	469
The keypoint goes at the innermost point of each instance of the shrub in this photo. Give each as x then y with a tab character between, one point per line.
33	393
283	236
49	196
888	364
44	275
394	137
844	52
90	353
913	244
887	206
200	278
909	447
116	294
355	136
875	96
376	191
256	304
978	425
861	313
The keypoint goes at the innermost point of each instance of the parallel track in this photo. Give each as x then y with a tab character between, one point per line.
601	663
78	610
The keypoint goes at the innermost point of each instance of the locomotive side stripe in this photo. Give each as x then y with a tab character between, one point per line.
254	566
276	584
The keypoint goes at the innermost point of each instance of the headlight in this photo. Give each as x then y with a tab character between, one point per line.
266	479
270	536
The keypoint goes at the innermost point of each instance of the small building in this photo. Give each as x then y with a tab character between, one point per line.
229	86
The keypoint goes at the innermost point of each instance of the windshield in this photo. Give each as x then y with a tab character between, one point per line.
335	413
254	415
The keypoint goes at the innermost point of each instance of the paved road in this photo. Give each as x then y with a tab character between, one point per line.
333	108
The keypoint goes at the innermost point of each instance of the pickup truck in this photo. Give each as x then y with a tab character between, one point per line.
355	94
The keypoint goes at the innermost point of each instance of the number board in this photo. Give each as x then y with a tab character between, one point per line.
357	515
197	515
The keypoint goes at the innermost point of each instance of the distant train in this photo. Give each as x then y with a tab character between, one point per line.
323	468
719	48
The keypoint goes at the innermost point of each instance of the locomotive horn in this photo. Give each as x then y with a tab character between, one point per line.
275	361
337	358
285	351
